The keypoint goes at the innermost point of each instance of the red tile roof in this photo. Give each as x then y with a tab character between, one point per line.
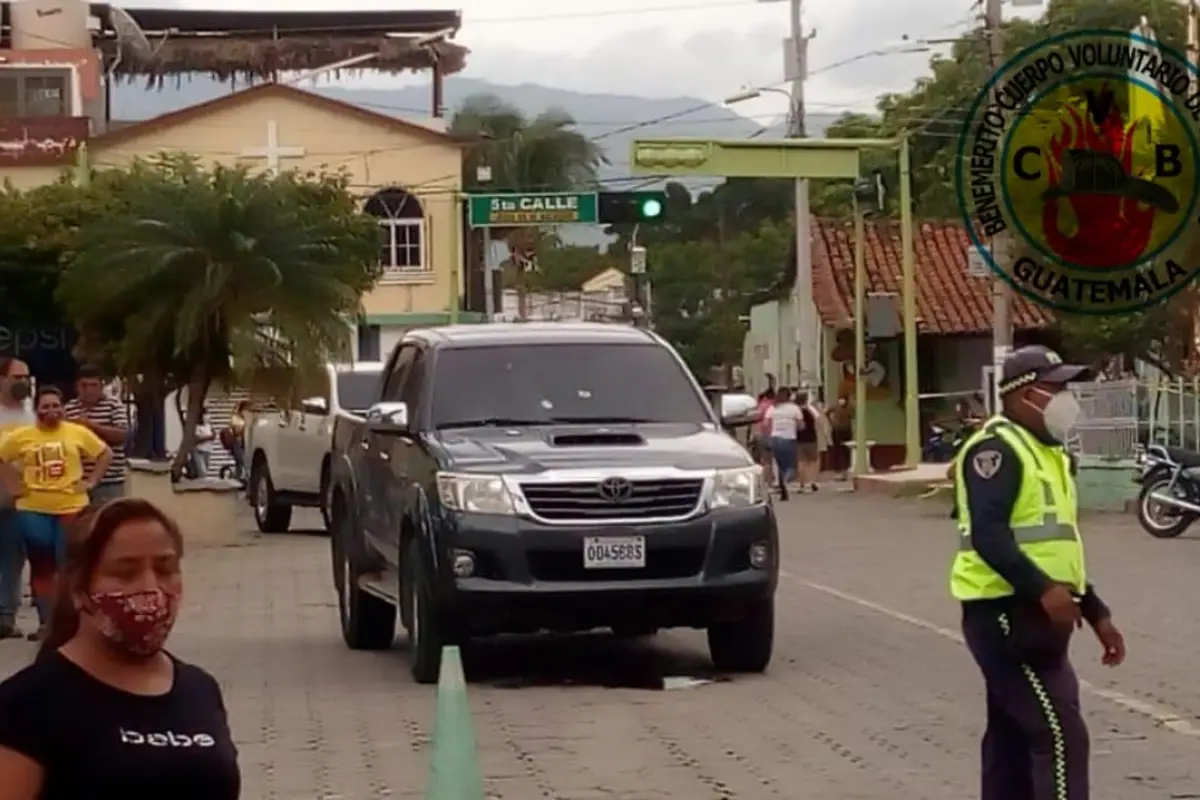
949	301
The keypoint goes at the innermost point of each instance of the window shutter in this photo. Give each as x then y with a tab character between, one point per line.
426	245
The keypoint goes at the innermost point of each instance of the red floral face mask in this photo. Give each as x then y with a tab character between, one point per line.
138	622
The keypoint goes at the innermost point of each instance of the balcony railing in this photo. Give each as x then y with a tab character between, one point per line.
41	141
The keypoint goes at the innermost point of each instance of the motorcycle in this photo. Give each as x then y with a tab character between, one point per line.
938	446
943	444
1169	501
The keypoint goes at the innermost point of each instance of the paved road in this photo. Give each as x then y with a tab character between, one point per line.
869	696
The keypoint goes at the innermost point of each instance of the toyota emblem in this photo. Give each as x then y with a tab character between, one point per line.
615	490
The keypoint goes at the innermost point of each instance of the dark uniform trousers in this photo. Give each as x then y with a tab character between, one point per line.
1036	743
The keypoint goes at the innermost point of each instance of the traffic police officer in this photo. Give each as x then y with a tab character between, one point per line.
1020	575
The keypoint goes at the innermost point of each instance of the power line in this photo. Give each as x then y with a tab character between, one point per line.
616	12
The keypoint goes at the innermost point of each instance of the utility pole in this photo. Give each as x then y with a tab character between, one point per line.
1002	333
1193	37
806	339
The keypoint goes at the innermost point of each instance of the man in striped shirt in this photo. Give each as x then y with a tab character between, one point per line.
105	417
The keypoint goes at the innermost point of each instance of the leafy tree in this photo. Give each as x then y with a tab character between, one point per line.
933	113
542	154
565	268
701	291
545	153
220	275
1161	335
737	206
28	264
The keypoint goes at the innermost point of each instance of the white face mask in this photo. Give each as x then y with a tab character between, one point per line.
1060	414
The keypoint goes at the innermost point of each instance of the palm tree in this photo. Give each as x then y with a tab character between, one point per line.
519	154
222	275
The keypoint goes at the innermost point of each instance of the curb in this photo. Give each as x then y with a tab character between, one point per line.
454	769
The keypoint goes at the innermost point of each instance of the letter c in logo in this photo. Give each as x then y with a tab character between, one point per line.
1019	163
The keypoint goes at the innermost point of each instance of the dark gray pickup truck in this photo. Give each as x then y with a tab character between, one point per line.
549	477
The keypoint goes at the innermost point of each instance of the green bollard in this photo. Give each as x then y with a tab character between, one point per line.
454	772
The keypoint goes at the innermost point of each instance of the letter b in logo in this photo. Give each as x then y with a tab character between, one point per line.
167	739
1166	161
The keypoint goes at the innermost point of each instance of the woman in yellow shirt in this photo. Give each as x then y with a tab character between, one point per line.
42	466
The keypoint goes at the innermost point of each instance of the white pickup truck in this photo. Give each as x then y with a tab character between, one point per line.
288	451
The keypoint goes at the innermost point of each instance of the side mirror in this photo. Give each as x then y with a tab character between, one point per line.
388	416
314	405
738	409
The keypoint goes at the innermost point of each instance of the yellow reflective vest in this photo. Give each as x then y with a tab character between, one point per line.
1044	520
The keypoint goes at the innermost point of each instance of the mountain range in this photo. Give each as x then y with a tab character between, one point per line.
613	120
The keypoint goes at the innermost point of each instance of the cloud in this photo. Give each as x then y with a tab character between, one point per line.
710	54
713	62
654	62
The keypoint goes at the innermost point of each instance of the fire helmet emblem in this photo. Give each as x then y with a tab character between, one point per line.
1077	176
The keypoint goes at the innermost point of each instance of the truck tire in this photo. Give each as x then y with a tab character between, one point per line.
744	645
326	498
426	634
270	515
368	622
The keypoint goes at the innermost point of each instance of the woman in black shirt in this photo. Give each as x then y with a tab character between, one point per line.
105	711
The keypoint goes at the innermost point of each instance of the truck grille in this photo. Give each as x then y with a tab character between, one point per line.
646	499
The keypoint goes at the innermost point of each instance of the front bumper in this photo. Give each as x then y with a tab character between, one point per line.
530	576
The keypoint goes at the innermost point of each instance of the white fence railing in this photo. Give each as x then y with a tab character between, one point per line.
1121	416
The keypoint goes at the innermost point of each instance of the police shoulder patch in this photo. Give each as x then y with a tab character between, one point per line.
986	463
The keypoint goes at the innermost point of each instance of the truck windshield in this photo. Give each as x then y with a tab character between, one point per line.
357	390
603	382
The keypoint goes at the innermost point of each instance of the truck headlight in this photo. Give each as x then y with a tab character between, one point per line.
735	488
479	494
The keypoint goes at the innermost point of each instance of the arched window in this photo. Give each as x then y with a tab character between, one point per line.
401	231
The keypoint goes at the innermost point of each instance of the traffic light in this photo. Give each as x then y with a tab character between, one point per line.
631	207
871	191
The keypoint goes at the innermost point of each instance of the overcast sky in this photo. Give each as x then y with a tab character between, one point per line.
701	48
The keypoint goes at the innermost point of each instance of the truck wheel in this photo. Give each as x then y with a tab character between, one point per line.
326	499
744	645
368	622
426	635
270	515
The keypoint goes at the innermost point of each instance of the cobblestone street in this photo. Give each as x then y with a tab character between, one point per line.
869	696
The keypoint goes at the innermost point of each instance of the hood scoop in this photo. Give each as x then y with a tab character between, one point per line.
596	439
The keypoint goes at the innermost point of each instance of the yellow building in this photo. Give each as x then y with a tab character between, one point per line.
408	175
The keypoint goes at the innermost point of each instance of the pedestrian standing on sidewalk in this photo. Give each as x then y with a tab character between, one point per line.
15	411
105	711
42	466
841	423
104	416
202	452
1022	580
783	420
808	442
762	436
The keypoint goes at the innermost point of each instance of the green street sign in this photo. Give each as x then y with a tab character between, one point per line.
516	210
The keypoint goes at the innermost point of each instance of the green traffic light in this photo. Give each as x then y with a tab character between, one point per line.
651	208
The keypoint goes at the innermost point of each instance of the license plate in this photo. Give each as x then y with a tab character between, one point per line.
614	552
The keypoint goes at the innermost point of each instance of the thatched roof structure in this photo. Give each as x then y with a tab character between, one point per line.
252	46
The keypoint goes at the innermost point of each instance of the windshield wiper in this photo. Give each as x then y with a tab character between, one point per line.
489	422
600	420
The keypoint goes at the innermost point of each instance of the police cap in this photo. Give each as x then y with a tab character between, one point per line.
1032	363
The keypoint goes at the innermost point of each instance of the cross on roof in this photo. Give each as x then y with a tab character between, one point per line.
273	151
